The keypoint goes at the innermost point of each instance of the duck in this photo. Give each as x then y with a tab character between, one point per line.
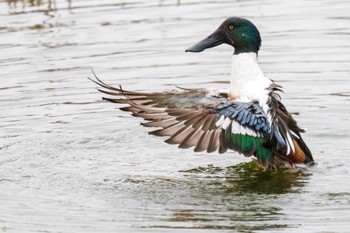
248	117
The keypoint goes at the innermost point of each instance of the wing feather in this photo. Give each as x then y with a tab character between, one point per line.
214	141
192	139
169	131
203	142
180	135
163	123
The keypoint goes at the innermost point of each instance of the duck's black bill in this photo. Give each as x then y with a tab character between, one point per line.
215	39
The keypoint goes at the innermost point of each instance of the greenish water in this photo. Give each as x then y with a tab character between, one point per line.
70	162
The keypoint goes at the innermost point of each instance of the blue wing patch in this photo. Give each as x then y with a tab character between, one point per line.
248	114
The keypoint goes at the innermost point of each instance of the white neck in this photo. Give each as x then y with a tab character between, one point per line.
247	79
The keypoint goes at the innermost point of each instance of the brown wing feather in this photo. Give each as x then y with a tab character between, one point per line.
170	131
180	135
223	144
163	123
203	142
186	125
192	139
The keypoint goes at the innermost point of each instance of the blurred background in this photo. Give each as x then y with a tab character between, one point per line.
70	162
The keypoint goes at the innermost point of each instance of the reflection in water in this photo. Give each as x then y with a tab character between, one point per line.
241	197
212	220
48	7
51	4
249	178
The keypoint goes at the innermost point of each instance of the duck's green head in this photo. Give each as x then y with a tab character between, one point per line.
237	32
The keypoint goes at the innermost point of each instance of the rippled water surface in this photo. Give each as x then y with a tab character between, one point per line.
70	162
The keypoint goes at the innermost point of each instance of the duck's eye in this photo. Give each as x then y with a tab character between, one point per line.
230	27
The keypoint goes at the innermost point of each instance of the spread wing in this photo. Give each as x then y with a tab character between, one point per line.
199	118
286	141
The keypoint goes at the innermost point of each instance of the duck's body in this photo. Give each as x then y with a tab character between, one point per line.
248	118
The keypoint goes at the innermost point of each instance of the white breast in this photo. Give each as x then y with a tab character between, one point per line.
247	80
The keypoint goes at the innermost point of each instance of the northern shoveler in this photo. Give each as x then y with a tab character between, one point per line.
248	118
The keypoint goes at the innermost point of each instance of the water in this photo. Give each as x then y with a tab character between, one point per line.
72	163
